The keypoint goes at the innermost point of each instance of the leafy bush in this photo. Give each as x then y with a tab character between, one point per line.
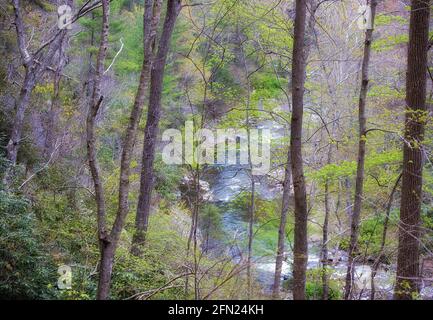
167	179
314	285
210	222
26	271
370	237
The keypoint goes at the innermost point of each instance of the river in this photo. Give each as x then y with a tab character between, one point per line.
228	182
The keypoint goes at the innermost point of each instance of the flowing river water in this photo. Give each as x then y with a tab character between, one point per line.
228	182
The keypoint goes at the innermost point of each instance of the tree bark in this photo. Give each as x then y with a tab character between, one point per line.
109	243
21	107
348	194
282	230
416	116
324	253
150	24
251	212
359	185
299	188
106	246
54	106
152	123
26	89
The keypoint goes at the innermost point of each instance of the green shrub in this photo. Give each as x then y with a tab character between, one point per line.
26	271
314	285
370	236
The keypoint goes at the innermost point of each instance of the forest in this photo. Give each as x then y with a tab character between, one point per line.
216	150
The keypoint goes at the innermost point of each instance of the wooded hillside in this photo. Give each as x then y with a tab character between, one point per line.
227	149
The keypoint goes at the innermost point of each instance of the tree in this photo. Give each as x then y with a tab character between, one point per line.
152	122
106	246
35	64
361	153
151	19
109	241
282	230
298	85
416	116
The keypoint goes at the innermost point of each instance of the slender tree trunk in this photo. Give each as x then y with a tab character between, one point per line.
416	116
21	107
299	188
54	106
349	205
192	238
337	205
361	155
383	242
282	230
152	10
107	250
152	123
250	234
251	207
106	245
324	253
26	89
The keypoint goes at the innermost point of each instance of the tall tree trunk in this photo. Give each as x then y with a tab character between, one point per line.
324	253
106	246
54	106
26	89
251	207
152	123
348	194
152	10
21	107
299	188
361	155
192	238
416	116
250	233
109	243
282	230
